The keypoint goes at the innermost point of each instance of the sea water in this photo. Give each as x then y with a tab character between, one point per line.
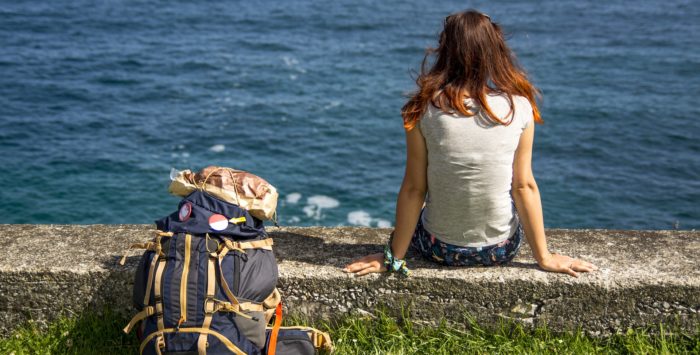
100	100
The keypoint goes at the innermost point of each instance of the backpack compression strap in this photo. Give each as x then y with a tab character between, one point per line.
153	246
208	302
202	331
256	244
240	246
270	304
157	288
146	312
227	290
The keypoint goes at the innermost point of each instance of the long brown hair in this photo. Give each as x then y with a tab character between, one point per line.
472	60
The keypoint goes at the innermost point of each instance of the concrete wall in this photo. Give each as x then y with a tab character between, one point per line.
646	277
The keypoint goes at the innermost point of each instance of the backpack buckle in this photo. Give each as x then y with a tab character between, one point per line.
209	306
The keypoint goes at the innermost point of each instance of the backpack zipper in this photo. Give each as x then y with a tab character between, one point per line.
183	281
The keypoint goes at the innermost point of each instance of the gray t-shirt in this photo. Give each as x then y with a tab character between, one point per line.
470	169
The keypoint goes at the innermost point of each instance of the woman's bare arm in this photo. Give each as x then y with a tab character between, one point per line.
412	193
408	205
527	200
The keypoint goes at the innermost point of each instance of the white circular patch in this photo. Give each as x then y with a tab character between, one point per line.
185	212
218	222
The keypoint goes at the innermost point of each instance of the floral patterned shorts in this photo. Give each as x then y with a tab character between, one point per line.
452	255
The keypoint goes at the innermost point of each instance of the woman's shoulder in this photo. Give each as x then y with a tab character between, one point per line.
519	101
429	112
522	102
501	103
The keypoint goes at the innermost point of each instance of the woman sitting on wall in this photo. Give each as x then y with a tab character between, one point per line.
469	134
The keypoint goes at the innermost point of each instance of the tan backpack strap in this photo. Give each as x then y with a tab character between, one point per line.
256	244
151	271
223	306
209	305
146	312
227	290
147	246
149	280
322	340
160	343
251	306
270	303
160	233
235	305
158	298
273	299
202	331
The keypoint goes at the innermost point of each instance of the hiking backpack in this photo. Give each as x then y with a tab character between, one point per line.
206	284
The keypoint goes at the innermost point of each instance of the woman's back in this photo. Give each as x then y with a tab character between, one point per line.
470	168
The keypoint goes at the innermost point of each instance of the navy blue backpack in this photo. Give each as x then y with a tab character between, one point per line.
206	284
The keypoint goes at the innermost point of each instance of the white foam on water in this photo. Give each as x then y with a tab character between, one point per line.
290	61
293	198
359	218
332	104
294	219
363	218
217	148
180	155
315	205
310	211
322	201
293	63
382	223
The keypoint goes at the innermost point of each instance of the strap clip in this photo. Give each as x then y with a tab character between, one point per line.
210	306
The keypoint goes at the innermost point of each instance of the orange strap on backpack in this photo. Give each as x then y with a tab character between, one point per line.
275	330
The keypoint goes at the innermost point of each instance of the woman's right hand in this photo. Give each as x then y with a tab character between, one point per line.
566	265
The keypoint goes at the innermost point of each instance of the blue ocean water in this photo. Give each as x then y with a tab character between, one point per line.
100	99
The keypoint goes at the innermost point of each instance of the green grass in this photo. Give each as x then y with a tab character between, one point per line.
385	335
89	334
101	334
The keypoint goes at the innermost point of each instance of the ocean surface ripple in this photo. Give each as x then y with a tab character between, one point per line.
99	100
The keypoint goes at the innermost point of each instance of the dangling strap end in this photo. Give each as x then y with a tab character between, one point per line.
275	330
146	312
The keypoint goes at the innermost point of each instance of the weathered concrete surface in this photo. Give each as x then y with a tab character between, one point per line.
646	277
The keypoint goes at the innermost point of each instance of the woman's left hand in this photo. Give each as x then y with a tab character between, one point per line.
366	265
565	264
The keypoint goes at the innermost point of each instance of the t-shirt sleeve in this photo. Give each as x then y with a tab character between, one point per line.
526	114
428	112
